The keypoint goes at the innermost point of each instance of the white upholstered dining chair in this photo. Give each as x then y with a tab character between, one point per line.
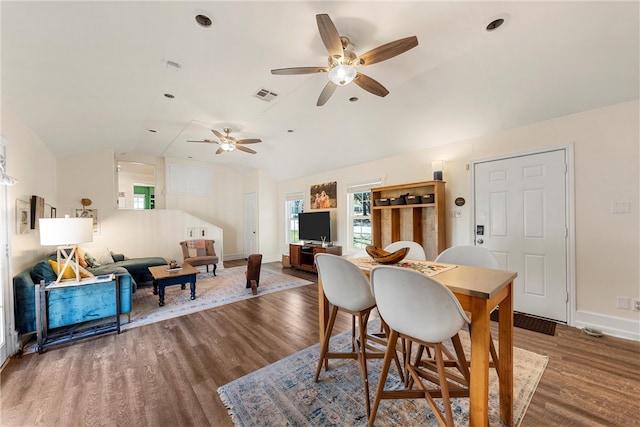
474	256
422	311
347	289
416	251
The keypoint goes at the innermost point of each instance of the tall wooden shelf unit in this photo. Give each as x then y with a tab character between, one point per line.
422	223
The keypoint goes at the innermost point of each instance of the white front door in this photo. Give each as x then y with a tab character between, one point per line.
250	229
521	216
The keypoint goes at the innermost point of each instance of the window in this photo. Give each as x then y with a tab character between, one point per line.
138	201
294	204
359	202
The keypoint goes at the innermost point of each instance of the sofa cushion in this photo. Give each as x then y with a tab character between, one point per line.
68	272
97	256
43	271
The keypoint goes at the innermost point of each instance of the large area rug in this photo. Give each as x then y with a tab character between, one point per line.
284	394
211	291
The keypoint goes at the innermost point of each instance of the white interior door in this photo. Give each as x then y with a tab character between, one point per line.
521	216
250	229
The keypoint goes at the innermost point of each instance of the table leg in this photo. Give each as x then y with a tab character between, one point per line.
479	389
161	286
505	335
155	287
192	285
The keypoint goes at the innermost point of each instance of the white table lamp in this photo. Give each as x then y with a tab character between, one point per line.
66	233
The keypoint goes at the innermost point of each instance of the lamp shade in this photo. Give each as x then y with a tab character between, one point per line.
65	231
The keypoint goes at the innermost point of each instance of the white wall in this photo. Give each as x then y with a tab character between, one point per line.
34	166
223	208
607	161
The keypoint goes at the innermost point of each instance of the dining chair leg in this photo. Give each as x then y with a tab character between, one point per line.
401	372
462	364
362	355
444	388
494	355
325	343
386	364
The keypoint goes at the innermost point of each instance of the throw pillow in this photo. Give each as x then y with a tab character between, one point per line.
43	271
101	255
81	258
91	261
68	272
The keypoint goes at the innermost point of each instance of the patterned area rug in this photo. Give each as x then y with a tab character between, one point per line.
284	393
211	291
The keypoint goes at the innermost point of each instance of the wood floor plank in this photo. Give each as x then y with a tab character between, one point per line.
167	373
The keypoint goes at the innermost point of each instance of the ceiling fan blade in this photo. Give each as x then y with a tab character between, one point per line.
219	150
208	141
326	93
330	36
248	141
218	134
370	85
299	70
245	149
389	50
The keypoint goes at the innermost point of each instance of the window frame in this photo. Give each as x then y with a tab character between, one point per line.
351	216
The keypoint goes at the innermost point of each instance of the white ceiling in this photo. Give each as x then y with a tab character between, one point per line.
90	75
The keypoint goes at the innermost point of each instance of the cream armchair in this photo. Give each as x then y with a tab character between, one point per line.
200	252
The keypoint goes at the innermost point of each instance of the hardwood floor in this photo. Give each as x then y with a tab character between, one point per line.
167	373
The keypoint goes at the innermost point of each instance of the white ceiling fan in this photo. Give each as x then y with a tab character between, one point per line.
229	143
343	63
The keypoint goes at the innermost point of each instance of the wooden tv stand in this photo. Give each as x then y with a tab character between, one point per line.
301	256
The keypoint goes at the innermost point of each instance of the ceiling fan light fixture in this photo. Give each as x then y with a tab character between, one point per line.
342	74
227	146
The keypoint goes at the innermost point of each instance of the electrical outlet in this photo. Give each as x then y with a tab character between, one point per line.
635	304
624	303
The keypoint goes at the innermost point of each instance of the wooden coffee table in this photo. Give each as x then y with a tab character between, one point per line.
162	277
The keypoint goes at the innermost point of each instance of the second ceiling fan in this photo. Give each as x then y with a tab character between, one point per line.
229	143
343	62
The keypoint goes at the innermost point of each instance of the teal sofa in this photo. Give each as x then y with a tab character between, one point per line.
79	304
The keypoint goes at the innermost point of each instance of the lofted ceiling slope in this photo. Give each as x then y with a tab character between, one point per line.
91	75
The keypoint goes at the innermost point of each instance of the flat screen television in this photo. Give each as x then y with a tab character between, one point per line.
313	226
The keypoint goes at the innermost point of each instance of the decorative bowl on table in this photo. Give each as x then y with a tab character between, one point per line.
384	257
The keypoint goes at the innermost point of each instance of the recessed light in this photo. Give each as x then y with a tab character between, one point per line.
168	95
353	99
496	22
290	130
153	130
203	20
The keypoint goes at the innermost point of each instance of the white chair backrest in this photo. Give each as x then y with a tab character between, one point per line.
344	284
416	251
415	304
474	256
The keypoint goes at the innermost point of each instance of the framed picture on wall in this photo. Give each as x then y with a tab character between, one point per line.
90	213
54	212
37	211
323	196
23	216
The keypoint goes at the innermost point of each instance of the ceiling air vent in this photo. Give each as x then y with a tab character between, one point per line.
265	95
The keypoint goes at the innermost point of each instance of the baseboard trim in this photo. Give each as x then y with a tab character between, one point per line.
609	325
265	259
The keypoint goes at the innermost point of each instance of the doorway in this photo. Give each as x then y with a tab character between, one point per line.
250	228
136	185
521	213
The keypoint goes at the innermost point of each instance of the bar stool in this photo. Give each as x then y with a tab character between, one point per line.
422	311
347	289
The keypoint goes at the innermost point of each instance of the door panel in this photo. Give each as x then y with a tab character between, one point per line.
520	215
250	228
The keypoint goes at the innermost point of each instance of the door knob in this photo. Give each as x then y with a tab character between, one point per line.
480	241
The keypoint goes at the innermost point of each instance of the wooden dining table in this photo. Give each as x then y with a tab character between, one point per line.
479	291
